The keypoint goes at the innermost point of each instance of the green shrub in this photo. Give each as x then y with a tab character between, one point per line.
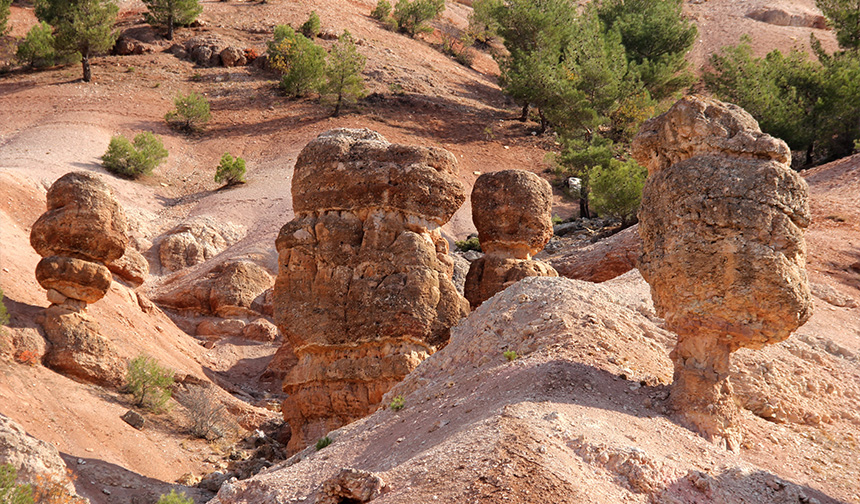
382	10
4	316
4	15
231	171
411	17
398	403
510	355
149	383
343	81
192	111
616	189
37	48
134	159
300	61
468	244
322	443
457	50
311	27
483	26
175	498
10	492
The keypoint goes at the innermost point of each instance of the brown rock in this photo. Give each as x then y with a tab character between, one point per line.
722	222
74	278
83	221
260	330
232	56
78	350
132	267
221	328
196	241
781	17
512	210
350	485
236	287
134	419
364	288
602	260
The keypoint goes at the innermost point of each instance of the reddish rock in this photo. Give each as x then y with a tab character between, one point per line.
74	278
132	267
600	261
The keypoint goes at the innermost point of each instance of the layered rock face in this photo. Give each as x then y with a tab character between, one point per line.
722	222
364	290
512	210
83	229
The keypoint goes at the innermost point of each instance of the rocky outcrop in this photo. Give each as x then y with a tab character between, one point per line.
602	260
132	267
512	210
364	288
212	50
196	241
722	222
781	17
35	461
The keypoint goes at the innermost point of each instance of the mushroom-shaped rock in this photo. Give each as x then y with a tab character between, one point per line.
722	222
512	210
364	290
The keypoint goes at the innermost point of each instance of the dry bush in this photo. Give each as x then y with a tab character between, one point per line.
205	412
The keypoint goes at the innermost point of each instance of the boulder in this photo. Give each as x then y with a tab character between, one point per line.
237	287
132	267
512	210
350	485
364	289
601	260
83	221
260	330
74	278
722	222
196	241
232	56
781	17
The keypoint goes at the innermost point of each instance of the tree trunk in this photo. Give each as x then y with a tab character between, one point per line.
88	73
809	152
170	24
543	122
584	212
525	116
337	105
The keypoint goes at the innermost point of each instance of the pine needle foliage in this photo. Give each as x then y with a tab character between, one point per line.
149	382
343	82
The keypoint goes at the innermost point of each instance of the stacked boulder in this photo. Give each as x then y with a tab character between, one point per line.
83	229
364	290
722	222
512	210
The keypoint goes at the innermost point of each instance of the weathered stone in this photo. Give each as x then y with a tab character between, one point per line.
83	221
781	17
74	278
34	460
134	419
221	328
364	289
512	210
350	485
232	56
260	330
196	241
722	221
236	287
132	267
602	260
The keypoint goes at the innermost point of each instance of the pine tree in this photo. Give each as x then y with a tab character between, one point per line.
4	15
170	13
844	16
343	72
84	27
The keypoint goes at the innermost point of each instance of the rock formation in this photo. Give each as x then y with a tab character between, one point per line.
83	229
599	261
722	222
364	290
512	210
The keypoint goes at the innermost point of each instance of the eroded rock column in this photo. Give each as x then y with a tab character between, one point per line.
722	222
83	229
512	210
364	290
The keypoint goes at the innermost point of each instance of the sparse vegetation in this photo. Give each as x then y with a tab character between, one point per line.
483	27
4	16
300	61
204	411
616	190
11	492
510	355
411	17
398	403
191	112
171	13
84	28
322	443
149	382
4	315
231	170
468	244
134	159
382	10
174	498
311	27
556	220
343	81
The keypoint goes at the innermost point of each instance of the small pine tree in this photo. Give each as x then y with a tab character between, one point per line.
844	16
174	498
311	27
4	16
191	112
300	61
11	492
149	383
85	27
134	159
616	189
37	48
231	170
343	72
172	13
411	17
382	10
